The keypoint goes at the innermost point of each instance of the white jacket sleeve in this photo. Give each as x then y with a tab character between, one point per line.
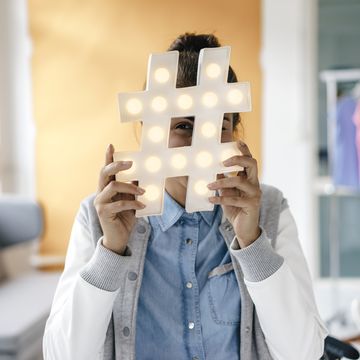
81	309
279	283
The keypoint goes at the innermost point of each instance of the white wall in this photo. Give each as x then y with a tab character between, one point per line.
17	131
16	124
289	109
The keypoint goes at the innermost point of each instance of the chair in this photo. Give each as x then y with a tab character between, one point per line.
25	301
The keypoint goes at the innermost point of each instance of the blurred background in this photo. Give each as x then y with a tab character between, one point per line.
61	67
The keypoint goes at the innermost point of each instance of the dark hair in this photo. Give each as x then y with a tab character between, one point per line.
189	46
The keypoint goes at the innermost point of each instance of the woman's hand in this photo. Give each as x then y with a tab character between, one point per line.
115	203
240	196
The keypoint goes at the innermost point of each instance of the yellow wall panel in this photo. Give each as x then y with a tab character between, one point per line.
84	53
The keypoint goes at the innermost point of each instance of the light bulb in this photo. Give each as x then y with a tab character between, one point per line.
134	106
162	75
185	101
204	159
235	96
156	134
208	129
153	164
159	103
210	99
152	192
213	70
201	188
178	161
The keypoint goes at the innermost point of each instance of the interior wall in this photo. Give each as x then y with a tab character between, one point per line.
84	53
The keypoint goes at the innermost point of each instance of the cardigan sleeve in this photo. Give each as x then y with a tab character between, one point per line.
279	283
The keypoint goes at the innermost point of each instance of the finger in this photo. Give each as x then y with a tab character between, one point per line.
109	154
115	187
244	149
121	205
236	201
115	167
235	182
249	165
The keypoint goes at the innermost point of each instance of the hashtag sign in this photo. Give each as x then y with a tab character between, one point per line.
207	102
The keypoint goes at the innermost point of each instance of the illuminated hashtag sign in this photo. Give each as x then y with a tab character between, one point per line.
207	102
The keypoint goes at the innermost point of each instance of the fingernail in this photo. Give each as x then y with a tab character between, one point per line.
210	186
141	190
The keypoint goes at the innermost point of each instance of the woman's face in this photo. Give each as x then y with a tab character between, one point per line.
181	134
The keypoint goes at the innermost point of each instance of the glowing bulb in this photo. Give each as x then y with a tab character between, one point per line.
204	159
208	129
178	161
201	188
159	104
152	192
235	96
185	101
156	134
210	99
134	106
153	164
213	70
162	75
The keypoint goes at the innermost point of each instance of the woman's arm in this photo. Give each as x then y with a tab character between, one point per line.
279	283
81	309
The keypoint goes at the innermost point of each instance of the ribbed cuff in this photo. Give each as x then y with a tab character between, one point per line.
105	267
258	261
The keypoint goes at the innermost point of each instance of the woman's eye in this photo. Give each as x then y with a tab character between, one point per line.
183	126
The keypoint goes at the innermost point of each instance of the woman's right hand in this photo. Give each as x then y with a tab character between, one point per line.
115	204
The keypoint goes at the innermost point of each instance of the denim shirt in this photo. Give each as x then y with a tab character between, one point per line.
182	308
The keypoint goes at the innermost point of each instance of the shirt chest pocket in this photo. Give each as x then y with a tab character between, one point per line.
224	295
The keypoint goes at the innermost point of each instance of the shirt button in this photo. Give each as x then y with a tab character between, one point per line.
191	325
188	241
189	284
247	329
126	331
132	275
228	227
181	222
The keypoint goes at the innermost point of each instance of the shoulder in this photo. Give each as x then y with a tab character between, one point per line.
272	197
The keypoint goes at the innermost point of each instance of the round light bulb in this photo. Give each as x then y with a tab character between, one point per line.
156	134
152	192
162	75
213	70
208	129
185	101
235	96
210	99
178	161
153	164
201	188
159	103
134	106
204	159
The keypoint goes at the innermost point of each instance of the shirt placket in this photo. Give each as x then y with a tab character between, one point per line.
191	290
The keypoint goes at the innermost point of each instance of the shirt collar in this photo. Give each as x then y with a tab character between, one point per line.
173	211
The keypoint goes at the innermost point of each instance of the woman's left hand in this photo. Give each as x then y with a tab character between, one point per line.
240	196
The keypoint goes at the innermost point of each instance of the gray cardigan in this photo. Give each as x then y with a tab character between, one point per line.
120	337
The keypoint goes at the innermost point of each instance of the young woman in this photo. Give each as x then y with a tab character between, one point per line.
231	283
